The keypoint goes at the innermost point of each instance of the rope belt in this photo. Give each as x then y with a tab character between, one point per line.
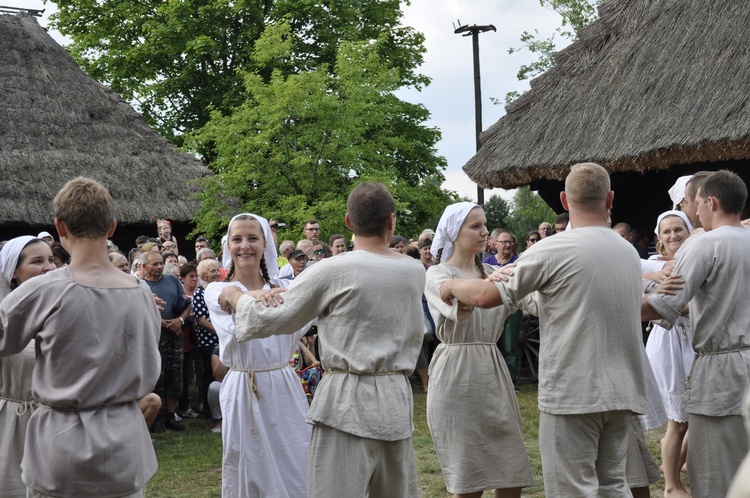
254	387
469	344
80	408
363	373
23	405
710	353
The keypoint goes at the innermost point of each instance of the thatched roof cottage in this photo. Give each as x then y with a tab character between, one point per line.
652	90
57	123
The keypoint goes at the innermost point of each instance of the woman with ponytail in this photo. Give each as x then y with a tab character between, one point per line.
472	410
265	437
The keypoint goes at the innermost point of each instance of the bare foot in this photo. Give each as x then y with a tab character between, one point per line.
676	493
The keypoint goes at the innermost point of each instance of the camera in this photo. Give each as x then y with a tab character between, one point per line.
277	224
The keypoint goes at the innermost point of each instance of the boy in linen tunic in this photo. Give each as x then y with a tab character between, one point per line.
591	363
370	324
715	267
88	436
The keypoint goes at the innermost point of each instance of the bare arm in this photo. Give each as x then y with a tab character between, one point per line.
475	293
219	369
206	324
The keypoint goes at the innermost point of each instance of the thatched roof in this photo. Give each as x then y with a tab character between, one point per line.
649	85
57	123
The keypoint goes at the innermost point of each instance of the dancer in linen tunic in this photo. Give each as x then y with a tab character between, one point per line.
88	436
260	459
16	407
263	404
469	380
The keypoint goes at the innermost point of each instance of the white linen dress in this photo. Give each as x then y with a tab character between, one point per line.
264	433
671	355
472	410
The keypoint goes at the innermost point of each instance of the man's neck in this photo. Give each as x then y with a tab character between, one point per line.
374	244
721	219
502	259
149	278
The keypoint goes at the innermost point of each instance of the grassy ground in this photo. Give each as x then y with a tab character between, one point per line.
190	461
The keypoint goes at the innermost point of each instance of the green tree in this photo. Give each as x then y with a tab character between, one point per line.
497	211
300	141
528	211
575	15
181	59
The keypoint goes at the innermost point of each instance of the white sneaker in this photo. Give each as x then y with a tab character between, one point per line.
177	417
189	413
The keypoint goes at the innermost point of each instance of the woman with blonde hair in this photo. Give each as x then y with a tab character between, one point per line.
670	353
472	410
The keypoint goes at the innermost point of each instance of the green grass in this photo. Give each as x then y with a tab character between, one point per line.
190	461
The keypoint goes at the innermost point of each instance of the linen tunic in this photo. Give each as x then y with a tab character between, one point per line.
591	354
96	354
370	324
472	410
16	407
264	433
715	266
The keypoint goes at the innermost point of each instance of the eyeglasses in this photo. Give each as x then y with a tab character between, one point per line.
505	242
319	252
545	229
312	229
533	240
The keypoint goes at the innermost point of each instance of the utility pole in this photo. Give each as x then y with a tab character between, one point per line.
474	31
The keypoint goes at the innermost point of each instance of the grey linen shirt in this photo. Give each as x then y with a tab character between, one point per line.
589	293
370	325
715	266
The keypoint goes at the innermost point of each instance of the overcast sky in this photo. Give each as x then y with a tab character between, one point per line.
450	96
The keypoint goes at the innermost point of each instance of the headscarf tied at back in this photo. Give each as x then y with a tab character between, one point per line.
450	224
269	253
9	261
673	212
677	191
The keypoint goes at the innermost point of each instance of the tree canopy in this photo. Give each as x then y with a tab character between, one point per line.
527	212
289	102
574	16
300	141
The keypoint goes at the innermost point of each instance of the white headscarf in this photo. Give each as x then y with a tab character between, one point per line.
450	224
673	212
269	253
677	192
9	261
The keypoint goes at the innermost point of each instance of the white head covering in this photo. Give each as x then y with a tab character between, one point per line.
269	253
9	260
42	235
450	224
677	192
673	212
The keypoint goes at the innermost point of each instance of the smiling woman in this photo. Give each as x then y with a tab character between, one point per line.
263	405
671	355
21	258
